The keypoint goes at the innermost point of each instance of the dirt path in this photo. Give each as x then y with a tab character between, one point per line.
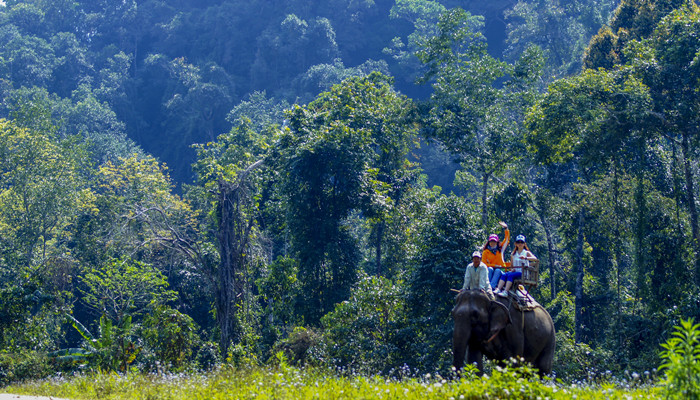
5	396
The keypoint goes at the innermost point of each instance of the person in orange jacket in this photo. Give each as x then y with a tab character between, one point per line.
492	255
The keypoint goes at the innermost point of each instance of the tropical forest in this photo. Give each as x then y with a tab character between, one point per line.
219	199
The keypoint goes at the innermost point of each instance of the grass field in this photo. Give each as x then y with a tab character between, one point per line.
291	383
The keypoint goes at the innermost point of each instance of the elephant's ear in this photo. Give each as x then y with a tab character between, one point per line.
499	317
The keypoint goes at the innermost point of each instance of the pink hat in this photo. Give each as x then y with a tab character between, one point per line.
493	237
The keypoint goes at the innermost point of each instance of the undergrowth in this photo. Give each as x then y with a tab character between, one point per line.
285	382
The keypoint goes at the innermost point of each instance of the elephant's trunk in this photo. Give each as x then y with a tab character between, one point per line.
460	342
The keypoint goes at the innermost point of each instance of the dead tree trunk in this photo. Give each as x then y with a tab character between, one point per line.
234	237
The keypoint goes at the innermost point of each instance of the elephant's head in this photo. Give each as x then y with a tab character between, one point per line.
483	317
478	319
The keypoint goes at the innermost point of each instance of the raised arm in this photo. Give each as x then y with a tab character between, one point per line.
506	236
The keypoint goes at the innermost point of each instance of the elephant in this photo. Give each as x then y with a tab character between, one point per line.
499	331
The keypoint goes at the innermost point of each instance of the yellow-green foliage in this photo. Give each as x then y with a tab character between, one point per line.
286	382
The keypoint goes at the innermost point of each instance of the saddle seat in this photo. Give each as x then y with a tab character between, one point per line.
522	300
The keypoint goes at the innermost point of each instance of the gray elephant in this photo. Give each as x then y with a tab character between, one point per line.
499	331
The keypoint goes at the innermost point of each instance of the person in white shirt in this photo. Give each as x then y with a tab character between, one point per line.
476	276
520	259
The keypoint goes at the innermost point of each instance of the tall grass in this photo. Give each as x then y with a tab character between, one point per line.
284	382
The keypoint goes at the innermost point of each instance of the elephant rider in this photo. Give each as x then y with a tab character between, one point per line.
521	258
476	276
493	254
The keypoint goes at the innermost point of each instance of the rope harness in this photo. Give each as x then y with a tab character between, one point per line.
522	320
522	313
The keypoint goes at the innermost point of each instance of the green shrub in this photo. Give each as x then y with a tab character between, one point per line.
28	365
359	334
296	346
681	361
171	336
207	356
246	352
577	361
114	348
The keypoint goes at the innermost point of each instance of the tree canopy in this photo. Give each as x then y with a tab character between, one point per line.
190	183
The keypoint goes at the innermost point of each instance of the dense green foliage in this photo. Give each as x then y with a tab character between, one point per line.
334	164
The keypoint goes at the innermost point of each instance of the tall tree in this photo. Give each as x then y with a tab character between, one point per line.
345	152
45	180
228	169
424	16
561	29
478	103
43	192
192	110
668	63
590	123
289	49
371	104
631	20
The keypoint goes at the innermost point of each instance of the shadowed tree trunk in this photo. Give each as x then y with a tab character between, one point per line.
484	196
551	251
551	263
541	206
578	290
378	246
690	191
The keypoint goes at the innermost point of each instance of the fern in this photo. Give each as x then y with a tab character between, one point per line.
681	364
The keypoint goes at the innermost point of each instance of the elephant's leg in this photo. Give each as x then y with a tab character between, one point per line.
459	348
476	357
543	339
544	360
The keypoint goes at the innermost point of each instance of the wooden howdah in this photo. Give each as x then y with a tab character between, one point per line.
530	276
